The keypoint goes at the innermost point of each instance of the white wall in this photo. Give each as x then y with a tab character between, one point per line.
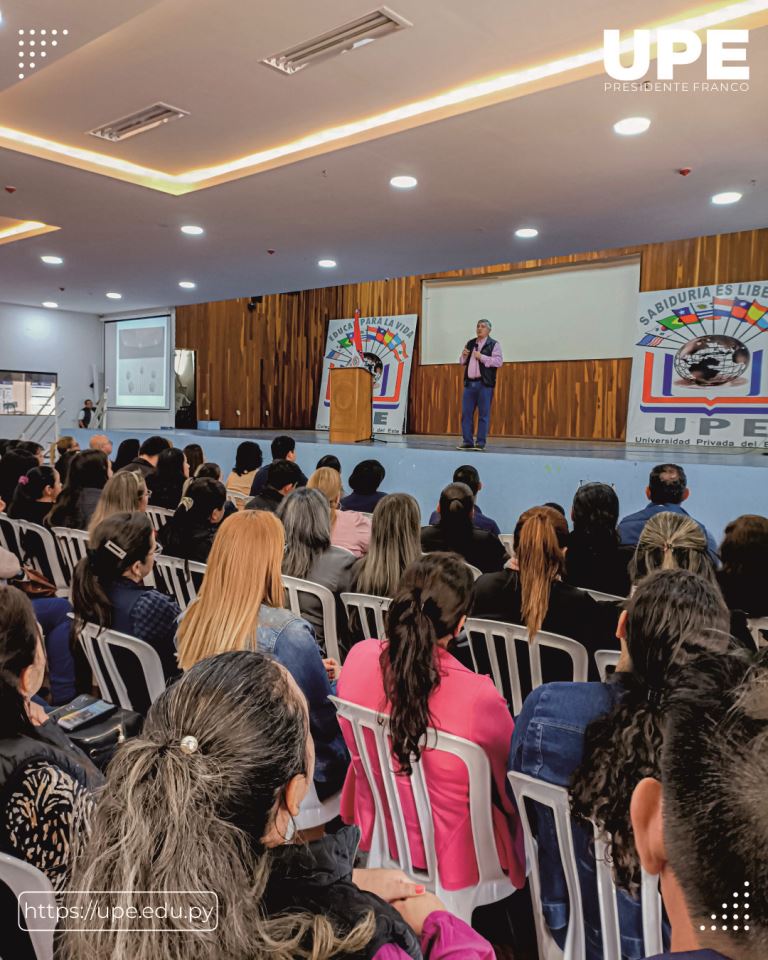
52	341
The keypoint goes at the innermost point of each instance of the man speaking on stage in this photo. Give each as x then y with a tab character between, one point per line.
480	359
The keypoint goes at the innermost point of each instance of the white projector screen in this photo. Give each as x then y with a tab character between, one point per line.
136	362
576	313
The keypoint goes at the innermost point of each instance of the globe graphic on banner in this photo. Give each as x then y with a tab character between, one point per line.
707	361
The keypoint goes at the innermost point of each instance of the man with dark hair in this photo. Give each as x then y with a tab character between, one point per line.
701	826
85	414
365	480
468	474
283	448
282	478
667	489
329	461
149	451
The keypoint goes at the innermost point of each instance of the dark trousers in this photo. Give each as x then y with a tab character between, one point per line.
476	396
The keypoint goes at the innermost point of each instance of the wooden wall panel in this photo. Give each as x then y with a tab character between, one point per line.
268	363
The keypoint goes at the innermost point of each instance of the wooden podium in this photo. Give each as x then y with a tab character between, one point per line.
351	404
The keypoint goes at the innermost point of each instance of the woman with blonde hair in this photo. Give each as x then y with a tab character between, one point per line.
240	607
671	541
536	596
349	529
125	492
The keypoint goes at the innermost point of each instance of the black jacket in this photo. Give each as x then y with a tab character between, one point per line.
317	878
260	480
483	550
602	567
487	374
269	499
187	543
139	465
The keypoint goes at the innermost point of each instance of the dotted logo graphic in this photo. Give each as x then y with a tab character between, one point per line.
740	916
35	45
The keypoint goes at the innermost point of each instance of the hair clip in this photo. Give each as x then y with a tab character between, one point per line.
115	549
24	480
189	744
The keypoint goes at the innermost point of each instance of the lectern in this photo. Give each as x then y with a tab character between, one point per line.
351	403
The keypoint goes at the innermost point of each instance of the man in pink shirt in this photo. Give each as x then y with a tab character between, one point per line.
480	358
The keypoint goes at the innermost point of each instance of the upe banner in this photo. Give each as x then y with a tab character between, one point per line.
387	351
699	369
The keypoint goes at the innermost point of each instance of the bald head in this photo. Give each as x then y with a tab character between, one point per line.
100	441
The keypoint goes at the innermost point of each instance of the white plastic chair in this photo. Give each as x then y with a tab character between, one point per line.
98	645
239	499
178	578
73	546
493	884
758	627
295	587
605	659
508	539
556	799
487	630
366	604
9	535
38	549
315	812
599	595
475	571
159	516
22	878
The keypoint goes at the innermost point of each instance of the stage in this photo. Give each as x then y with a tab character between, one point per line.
517	473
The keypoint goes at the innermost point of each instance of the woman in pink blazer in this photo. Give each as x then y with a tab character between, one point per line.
414	679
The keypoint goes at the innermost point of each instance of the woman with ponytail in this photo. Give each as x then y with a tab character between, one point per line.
35	495
595	558
536	597
601	739
413	678
189	533
108	590
203	801
456	533
671	541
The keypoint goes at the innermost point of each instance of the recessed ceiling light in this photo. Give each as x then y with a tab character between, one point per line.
326	263
187	285
631	126
403	183
191	230
51	304
52	260
114	296
730	196
526	232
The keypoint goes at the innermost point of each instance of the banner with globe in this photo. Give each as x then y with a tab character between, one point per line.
387	348
700	367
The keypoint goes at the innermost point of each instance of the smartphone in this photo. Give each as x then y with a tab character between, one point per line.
97	710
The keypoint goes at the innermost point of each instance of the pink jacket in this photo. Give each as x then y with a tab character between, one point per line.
445	937
351	530
467	705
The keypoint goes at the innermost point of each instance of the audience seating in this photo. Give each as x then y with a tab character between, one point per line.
315	812
239	499
758	627
605	659
8	539
508	539
159	516
99	645
21	877
294	587
366	604
73	546
493	884
486	632
599	595
180	579
556	798
37	549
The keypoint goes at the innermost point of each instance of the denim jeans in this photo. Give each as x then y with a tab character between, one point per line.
476	395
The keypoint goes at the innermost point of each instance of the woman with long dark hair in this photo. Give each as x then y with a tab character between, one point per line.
126	453
189	533
601	739
248	459
87	477
595	559
456	533
167	481
195	456
412	677
744	552
203	800
35	495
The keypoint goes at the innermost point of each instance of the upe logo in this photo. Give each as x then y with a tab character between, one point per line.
676	47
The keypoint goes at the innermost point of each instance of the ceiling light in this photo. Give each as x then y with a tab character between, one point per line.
730	196
403	183
52	260
51	304
631	126
192	231
187	285
526	232
326	263
114	296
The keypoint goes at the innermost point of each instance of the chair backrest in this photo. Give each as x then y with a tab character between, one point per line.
379	758
485	632
556	799
99	646
38	549
9	535
605	659
73	546
180	579
758	627
239	499
315	812
508	539
295	587
159	516
475	571
368	606
599	595
31	887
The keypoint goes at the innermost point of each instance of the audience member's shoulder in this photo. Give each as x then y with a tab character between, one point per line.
570	705
361	659
500	580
